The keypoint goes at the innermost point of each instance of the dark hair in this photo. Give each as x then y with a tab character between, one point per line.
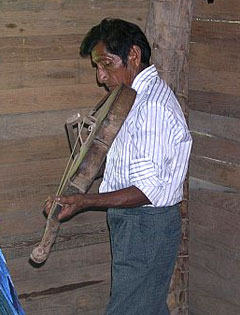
119	36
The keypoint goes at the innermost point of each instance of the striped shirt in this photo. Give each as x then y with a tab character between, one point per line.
152	149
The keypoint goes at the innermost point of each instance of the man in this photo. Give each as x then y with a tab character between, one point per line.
144	173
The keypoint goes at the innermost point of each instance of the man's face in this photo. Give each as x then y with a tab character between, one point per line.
110	70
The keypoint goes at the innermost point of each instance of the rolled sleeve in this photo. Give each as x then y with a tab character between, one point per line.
141	169
146	176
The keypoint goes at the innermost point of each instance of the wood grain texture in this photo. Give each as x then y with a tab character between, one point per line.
52	289
213	247
215	57
215	125
36	124
27	185
214	214
89	299
41	5
215	171
215	103
72	235
207	80
219	10
216	148
215	163
46	73
37	48
68	21
216	196
45	98
168	30
43	82
208	31
32	149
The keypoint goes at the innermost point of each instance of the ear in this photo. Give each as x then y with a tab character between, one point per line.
134	56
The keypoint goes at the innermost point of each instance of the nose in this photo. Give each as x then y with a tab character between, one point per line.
102	75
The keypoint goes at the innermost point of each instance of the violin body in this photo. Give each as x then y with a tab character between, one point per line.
90	139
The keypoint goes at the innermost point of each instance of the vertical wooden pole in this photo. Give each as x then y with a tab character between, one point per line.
168	30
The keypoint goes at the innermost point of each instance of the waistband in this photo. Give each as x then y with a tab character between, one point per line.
146	210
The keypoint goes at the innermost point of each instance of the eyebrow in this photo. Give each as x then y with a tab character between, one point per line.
100	58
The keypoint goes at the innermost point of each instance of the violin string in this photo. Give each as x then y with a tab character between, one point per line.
65	176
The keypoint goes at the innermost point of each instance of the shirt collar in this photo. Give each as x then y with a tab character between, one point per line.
141	81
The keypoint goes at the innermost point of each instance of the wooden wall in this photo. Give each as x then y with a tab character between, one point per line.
215	164
43	81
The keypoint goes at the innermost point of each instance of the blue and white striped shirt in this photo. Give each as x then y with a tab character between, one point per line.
152	149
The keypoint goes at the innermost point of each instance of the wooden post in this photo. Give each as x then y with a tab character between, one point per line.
168	30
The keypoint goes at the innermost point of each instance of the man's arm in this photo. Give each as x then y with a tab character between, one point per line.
124	198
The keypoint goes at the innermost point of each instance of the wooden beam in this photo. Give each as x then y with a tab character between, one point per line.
168	30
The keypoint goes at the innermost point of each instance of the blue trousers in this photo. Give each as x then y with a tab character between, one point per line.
144	244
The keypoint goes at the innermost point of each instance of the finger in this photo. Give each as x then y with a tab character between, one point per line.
65	200
47	209
65	212
48	204
49	199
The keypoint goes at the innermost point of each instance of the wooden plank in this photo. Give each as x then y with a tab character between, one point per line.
203	302
213	32
27	100
29	23
211	293
90	299
216	148
40	5
219	126
34	149
24	187
62	268
215	103
215	258
30	198
71	235
21	202
215	56
215	171
14	223
168	30
23	177
46	73
36	48
214	213
66	274
219	10
36	124
216	229
216	196
218	81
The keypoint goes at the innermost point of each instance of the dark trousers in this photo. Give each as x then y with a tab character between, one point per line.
144	243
